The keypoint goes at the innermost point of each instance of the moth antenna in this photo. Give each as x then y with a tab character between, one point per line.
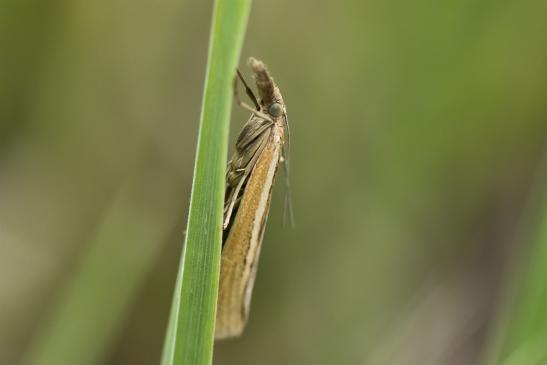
288	213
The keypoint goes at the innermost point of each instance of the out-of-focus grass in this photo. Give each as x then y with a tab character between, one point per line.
521	338
415	130
189	338
90	312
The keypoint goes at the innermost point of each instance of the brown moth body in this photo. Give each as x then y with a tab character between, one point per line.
249	180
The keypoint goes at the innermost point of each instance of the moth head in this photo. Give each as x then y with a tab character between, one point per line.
275	110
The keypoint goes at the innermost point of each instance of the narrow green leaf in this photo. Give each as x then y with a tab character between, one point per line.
522	334
189	338
87	316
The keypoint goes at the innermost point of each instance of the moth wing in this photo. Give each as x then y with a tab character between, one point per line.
251	130
241	249
241	165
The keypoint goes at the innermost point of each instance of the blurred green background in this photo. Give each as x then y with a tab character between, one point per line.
418	129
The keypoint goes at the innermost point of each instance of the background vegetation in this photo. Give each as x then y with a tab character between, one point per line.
418	131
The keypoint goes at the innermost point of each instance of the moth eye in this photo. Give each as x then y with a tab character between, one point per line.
275	109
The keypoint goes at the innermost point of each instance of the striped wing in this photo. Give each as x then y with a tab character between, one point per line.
241	248
249	146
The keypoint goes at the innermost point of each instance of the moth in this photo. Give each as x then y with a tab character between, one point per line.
250	175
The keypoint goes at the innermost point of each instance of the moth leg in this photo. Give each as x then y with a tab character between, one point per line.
248	107
248	91
228	211
249	136
234	195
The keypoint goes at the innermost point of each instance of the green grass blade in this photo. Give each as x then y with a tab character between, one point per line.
522	335
92	308
189	338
